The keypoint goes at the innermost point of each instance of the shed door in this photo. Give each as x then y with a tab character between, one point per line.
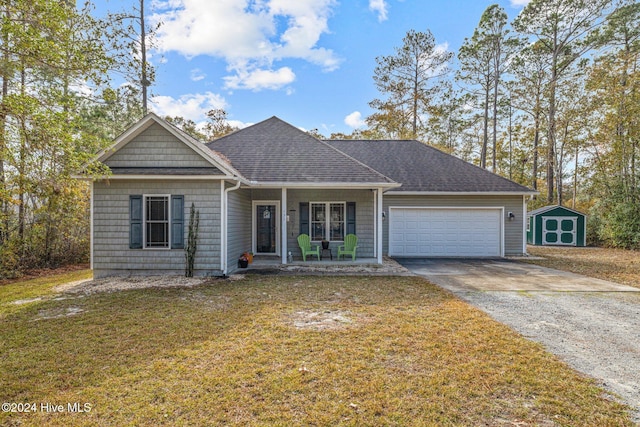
559	230
443	232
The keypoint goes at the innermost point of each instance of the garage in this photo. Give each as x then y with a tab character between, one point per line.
445	232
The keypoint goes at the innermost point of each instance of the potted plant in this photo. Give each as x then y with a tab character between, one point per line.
325	244
243	261
249	256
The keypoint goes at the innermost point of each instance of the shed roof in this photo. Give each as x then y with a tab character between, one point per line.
545	209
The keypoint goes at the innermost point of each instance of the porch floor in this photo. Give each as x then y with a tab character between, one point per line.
270	261
272	264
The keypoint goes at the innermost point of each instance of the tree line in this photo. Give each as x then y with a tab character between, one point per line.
57	109
549	100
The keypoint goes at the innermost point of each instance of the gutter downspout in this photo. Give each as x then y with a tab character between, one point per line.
223	233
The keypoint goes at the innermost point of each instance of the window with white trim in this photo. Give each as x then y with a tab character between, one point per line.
156	221
327	220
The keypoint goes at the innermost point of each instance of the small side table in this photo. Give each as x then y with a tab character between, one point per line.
322	251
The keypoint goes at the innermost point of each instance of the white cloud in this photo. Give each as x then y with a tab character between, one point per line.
202	125
197	75
430	67
380	7
249	35
258	79
354	120
189	106
519	3
239	124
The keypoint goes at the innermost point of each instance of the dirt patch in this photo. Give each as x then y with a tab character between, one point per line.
56	313
114	284
26	301
320	320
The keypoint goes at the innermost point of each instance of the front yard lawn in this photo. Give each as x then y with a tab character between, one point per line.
271	350
616	265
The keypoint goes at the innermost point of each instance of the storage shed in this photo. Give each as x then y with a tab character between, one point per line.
556	225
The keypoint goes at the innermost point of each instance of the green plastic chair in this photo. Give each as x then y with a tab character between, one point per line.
349	247
304	241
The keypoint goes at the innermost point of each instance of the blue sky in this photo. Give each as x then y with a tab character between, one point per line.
309	62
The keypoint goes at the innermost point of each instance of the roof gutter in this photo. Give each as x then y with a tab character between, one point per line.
337	185
462	193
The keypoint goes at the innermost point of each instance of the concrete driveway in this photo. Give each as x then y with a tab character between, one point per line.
460	275
593	325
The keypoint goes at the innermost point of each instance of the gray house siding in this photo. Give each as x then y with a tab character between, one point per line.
365	226
513	230
111	253
156	148
238	226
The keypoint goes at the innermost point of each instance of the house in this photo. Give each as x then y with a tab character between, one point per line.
258	188
556	225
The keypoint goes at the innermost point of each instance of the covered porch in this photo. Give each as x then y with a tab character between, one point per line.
268	221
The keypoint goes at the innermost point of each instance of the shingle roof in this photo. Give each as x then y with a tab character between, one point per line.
275	151
422	168
551	207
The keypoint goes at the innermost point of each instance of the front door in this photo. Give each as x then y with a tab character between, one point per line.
266	228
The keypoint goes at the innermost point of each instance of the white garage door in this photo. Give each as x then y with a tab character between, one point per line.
445	232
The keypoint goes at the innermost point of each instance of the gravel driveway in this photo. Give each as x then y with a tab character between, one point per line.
595	332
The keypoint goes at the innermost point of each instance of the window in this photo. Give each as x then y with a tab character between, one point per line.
318	221
336	221
327	221
156	222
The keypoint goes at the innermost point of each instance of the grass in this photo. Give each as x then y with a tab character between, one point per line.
35	290
616	265
270	350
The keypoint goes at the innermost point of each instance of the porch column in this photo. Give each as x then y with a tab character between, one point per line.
379	226
283	225
525	220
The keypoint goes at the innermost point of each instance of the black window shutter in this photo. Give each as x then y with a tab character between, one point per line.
351	218
135	222
177	222
304	218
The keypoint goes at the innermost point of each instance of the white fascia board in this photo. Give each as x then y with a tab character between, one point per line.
460	193
336	185
168	177
161	177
